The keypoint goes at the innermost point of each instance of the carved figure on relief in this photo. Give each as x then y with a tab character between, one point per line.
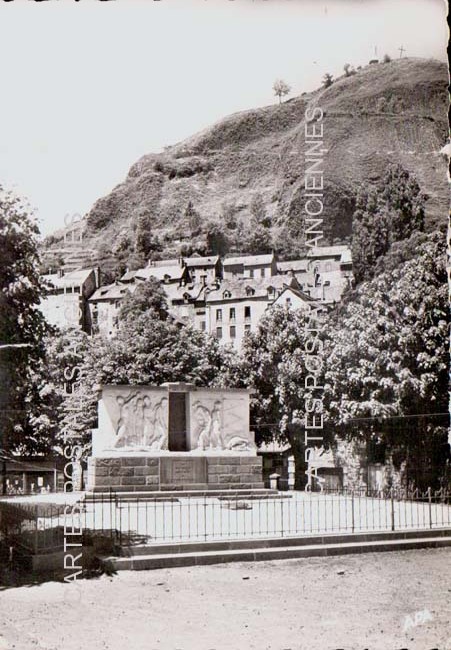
124	423
208	426
159	439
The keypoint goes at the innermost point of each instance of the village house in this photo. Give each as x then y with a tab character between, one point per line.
171	274
236	307
250	266
204	270
104	307
66	303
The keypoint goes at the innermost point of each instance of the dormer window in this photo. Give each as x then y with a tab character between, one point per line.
250	291
271	291
226	294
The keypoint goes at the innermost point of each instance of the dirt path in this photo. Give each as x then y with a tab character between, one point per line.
351	602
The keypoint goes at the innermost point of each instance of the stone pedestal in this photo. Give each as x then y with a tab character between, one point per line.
175	471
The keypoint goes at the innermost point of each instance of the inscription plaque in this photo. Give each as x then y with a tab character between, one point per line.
183	471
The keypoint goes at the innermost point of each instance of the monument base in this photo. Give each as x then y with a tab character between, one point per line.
175	471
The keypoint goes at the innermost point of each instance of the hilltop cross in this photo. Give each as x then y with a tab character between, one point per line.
401	50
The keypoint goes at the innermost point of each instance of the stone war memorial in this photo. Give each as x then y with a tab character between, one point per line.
173	437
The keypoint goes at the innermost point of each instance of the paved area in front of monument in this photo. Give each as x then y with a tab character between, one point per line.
353	602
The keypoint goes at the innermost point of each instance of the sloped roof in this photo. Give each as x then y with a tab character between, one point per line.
160	272
292	265
174	292
175	261
239	287
297	292
249	260
71	279
128	276
201	261
115	291
327	251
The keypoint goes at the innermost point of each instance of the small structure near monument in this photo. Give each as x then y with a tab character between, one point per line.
173	437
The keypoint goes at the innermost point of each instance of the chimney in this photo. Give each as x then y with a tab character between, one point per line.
60	272
203	280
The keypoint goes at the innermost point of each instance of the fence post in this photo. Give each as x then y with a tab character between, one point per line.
430	506
392	500
352	509
36	542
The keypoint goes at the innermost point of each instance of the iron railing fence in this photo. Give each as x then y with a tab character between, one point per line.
40	527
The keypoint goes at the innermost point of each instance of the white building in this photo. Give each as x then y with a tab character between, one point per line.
66	304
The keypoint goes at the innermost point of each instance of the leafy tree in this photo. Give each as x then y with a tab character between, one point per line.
64	388
147	296
216	239
386	357
281	88
254	239
370	235
193	219
146	350
328	80
258	211
347	69
144	240
384	217
21	322
404	202
272	363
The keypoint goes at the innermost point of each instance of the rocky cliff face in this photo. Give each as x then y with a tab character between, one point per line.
385	113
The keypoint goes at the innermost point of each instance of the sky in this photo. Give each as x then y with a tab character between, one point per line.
89	87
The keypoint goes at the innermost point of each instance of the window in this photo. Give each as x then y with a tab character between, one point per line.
232	332
232	314
262	273
219	314
247	329
251	273
202	325
219	332
328	266
247	313
288	301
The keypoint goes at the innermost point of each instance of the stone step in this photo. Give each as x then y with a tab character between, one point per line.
173	548
167	495
204	557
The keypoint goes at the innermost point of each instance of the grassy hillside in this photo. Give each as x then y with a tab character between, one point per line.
393	112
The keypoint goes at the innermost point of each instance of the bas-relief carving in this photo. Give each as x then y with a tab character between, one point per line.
217	424
137	420
142	422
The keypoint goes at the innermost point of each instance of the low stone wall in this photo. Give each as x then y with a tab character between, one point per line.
142	474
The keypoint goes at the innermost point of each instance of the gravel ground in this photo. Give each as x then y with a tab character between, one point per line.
351	602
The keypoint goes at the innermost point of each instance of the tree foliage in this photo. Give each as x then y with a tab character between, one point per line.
384	217
21	322
148	349
272	364
281	88
387	357
328	80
